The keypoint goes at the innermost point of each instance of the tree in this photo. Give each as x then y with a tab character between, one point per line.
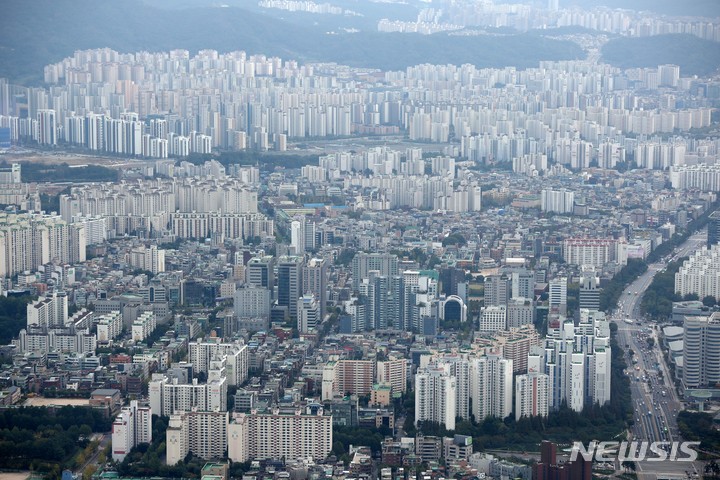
629	465
709	301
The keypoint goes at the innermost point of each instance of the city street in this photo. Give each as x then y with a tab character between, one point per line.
654	397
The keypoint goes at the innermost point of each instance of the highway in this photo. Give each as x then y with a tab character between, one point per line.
654	397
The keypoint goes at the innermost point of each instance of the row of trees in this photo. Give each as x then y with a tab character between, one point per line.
698	426
42	172
611	292
658	298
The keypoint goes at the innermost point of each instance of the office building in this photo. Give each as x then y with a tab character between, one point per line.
522	283
520	311
713	236
497	290
493	318
308	314
363	263
314	280
260	272
452	309
701	351
589	294
251	306
289	283
557	294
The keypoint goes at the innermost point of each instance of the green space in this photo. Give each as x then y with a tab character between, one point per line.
13	316
694	55
698	426
43	172
658	298
47	439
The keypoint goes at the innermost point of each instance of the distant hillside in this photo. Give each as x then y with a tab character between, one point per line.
34	33
694	55
702	8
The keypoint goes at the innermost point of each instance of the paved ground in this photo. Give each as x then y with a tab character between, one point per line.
45	402
14	475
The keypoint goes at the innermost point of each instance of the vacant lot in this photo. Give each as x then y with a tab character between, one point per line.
44	402
14	475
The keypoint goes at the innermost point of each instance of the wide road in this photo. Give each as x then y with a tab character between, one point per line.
654	397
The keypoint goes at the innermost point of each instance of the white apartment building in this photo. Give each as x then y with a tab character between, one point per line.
557	201
203	351
264	436
531	395
110	326
459	367
29	240
48	312
703	176
700	274
168	397
491	382
392	372
577	361
435	396
205	434
593	251
66	339
144	326
229	225
131	427
149	258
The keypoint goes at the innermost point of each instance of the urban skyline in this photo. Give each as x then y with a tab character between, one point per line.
233	262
